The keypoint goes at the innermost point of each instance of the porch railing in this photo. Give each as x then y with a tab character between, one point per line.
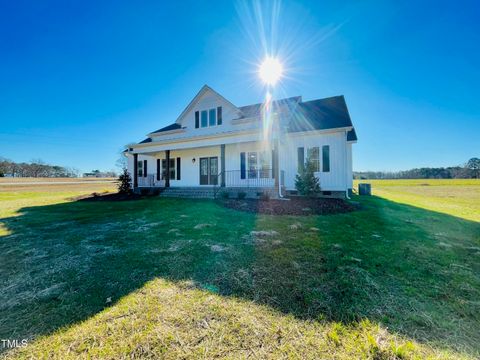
259	178
150	181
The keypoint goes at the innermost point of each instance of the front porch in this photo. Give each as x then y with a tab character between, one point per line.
246	165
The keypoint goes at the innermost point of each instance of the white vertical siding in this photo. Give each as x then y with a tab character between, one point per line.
339	178
335	179
349	166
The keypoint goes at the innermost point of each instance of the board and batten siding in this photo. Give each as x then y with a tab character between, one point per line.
349	166
336	178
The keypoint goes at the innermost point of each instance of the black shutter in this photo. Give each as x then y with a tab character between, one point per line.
242	165
273	164
178	168
325	158
219	115
158	169
144	168
197	119
300	159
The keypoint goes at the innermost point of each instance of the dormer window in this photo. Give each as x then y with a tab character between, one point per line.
208	118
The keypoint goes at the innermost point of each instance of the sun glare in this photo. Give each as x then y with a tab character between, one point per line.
270	71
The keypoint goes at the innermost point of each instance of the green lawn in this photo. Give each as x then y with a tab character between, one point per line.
171	278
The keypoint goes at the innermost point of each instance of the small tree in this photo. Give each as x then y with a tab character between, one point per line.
306	182
125	183
474	166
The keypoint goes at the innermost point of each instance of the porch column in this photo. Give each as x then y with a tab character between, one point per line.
222	164
276	168
167	175
135	171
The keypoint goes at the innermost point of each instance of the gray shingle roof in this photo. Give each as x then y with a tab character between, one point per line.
321	114
255	109
174	126
352	135
328	113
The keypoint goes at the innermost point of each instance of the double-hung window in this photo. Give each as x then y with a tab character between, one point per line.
212	117
313	155
140	168
172	169
204	118
264	164
252	165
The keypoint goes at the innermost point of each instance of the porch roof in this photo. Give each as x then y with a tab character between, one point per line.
228	137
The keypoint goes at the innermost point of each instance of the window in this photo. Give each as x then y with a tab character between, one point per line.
204	118
212	117
172	169
252	165
264	164
140	168
313	155
325	158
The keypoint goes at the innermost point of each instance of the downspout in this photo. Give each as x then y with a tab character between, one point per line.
346	166
277	166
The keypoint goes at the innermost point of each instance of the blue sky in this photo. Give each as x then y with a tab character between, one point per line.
78	80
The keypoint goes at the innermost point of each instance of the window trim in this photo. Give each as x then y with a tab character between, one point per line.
217	114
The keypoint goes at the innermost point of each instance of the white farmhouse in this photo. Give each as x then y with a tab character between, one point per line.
216	146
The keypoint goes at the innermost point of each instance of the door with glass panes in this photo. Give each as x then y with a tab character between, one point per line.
209	171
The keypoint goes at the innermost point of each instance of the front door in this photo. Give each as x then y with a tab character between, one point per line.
209	171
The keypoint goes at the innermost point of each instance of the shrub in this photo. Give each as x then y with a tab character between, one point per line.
306	182
241	195
125	183
144	192
224	195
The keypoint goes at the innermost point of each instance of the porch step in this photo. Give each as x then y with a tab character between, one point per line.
188	192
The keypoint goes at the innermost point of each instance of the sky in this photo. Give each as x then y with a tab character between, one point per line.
80	79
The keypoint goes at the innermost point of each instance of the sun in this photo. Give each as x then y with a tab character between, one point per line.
270	71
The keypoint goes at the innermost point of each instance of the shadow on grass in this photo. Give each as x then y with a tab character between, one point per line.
413	270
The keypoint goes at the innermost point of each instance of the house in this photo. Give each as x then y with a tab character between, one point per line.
215	144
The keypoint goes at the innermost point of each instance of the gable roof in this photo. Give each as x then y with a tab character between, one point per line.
202	91
328	113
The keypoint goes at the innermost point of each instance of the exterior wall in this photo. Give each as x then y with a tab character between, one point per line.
336	178
207	101
339	178
190	172
232	164
349	166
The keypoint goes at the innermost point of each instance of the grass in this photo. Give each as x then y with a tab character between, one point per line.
187	278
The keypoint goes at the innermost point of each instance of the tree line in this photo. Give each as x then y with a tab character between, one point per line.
470	170
35	168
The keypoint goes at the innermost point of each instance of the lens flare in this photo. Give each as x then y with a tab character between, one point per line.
270	71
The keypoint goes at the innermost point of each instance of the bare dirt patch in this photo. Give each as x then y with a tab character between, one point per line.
291	206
